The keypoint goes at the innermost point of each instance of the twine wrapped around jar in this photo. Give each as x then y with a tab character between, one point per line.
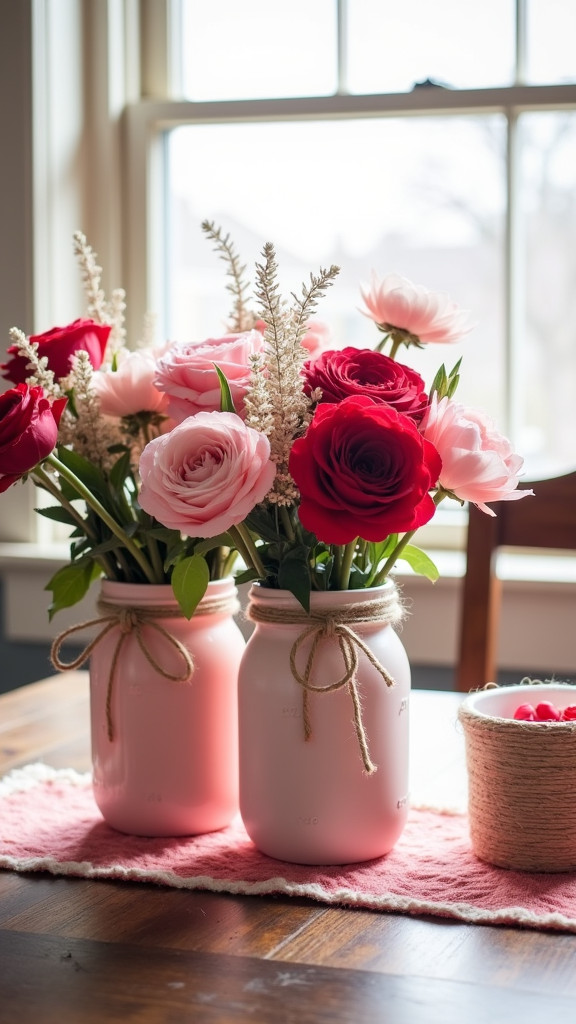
521	779
377	608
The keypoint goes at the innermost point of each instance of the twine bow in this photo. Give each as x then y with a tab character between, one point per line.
324	626
127	620
350	644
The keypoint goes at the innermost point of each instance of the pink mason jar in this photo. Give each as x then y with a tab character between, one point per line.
324	775
165	747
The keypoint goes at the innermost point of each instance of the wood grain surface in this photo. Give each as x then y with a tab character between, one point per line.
74	951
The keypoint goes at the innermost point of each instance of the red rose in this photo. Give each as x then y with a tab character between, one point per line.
59	345
28	430
360	371
363	470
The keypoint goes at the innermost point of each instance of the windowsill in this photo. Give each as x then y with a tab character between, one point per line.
512	567
536	634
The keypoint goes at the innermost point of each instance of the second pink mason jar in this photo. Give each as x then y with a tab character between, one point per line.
311	800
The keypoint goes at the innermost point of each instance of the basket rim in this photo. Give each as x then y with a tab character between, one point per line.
471	706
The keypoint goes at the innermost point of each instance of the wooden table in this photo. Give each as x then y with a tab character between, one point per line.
74	951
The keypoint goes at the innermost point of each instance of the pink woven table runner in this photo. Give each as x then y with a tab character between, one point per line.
49	822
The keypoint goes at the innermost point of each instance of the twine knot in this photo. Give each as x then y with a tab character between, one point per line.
329	625
127	621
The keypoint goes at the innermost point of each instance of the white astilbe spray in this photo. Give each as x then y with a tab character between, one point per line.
242	318
148	338
99	308
276	404
40	374
88	432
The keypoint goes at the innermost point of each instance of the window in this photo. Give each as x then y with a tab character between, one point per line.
434	140
311	125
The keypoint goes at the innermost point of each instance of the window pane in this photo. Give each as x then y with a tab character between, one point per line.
255	49
423	198
551	42
545	374
464	45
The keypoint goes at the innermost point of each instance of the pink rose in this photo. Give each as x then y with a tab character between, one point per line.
206	475
395	304
59	345
360	371
130	389
186	374
28	430
478	463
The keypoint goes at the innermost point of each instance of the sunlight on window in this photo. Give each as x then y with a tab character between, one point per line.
551	42
255	48
546	374
463	45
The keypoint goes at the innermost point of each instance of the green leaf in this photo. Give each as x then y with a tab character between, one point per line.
70	584
440	383
57	514
120	470
294	575
246	576
190	579
420	562
223	540
262	522
226	400
87	473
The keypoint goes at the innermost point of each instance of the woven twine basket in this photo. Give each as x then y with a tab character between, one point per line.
521	779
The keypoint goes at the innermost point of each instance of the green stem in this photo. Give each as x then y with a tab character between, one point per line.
105	516
247	548
152	548
390	561
346	565
396	342
287	523
47	482
228	564
382	576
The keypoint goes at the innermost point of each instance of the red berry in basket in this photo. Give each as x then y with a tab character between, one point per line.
546	712
569	713
525	713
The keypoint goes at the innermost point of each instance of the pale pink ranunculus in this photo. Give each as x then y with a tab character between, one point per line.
394	302
185	372
478	463
206	475
130	388
317	338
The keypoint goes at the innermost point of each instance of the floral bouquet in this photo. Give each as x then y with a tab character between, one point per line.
324	462
315	464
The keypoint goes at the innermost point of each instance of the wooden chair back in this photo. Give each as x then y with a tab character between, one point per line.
548	520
